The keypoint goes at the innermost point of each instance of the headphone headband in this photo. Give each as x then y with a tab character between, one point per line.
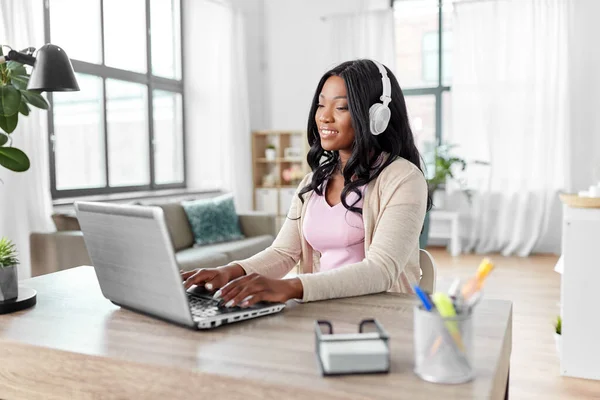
386	96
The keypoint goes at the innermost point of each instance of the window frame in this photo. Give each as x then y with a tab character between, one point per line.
440	88
151	82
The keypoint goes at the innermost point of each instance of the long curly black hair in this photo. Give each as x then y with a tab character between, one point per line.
364	88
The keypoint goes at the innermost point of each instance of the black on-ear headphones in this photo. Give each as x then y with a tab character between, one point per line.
379	113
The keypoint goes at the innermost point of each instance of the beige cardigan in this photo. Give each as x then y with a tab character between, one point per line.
393	213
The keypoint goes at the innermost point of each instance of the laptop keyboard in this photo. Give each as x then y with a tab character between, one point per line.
204	307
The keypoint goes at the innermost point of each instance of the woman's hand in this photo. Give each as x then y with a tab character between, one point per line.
212	278
251	289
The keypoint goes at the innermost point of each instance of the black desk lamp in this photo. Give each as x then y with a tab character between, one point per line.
52	72
52	69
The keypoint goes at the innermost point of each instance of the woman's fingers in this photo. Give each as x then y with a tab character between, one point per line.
217	281
230	290
228	298
251	300
186	274
199	278
247	292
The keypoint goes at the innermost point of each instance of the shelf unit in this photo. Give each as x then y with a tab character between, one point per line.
579	351
275	197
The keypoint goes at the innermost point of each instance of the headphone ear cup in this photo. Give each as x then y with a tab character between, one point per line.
379	118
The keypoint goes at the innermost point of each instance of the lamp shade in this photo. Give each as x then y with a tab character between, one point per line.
52	71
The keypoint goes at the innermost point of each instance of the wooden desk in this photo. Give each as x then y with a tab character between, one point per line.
76	344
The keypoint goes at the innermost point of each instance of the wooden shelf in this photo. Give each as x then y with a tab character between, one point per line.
276	198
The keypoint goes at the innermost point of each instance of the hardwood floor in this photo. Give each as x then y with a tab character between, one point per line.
534	288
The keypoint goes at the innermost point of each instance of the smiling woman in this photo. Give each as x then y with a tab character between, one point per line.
355	222
333	119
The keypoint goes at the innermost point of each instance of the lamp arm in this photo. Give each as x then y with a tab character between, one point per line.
18	57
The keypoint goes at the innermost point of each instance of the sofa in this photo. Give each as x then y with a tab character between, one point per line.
65	248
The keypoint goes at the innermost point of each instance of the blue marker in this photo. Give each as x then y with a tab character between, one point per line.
424	298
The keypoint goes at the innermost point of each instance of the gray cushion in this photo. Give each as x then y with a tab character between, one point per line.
65	222
213	220
178	225
193	258
240	249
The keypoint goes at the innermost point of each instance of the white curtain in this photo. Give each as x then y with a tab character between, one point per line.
367	34
510	107
25	199
217	107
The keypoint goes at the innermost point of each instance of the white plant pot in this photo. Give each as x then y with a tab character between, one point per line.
270	154
9	283
439	199
558	343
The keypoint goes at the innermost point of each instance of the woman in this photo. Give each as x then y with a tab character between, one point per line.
354	225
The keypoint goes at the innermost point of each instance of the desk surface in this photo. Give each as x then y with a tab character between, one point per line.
75	343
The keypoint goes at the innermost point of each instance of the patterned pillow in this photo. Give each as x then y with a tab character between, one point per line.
213	220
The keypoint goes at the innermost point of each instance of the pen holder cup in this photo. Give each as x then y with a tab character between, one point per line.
443	347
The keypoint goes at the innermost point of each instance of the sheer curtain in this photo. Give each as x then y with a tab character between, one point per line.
25	199
509	107
217	106
367	34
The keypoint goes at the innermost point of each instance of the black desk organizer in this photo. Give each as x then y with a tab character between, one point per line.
381	336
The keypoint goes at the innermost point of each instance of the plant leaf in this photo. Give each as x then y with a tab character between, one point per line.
20	81
24	108
35	99
3	65
16	68
14	159
3	138
10	98
8	124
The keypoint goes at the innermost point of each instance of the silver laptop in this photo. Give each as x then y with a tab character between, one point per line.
133	257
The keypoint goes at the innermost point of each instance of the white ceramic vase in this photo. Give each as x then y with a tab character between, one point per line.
558	343
270	154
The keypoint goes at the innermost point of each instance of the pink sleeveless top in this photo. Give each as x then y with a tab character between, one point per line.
335	232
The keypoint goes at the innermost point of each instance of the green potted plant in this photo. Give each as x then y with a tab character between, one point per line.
270	152
15	99
440	166
9	287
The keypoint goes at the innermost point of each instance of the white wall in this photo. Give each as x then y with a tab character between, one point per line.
207	76
294	49
253	11
584	64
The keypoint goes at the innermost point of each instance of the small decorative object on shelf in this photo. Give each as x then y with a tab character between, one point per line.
292	153
593	191
271	152
269	180
292	175
9	288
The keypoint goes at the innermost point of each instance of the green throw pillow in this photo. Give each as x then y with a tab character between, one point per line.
213	220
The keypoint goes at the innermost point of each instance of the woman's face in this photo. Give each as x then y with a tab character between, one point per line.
333	117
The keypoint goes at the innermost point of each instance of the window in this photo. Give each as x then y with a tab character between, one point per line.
423	67
124	130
